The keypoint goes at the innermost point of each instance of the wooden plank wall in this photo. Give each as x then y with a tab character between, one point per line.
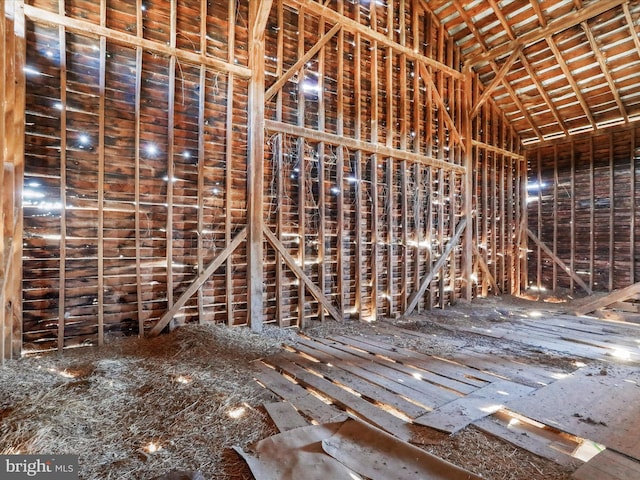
12	53
583	199
367	225
136	166
500	173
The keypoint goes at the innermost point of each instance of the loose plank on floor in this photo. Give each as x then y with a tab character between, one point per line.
341	377
456	415
285	416
414	396
394	371
304	401
608	465
350	402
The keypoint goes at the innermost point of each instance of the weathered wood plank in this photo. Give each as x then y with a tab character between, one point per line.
285	416
456	415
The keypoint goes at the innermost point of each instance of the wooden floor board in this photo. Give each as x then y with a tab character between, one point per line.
427	375
304	401
608	465
285	416
394	372
456	415
339	376
348	401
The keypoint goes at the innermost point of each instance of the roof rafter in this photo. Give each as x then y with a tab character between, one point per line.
572	81
632	29
605	70
567	21
499	77
536	8
503	21
543	92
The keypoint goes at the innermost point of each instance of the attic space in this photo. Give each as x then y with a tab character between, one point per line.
235	231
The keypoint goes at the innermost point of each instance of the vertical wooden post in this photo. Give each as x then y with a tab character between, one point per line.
279	159
101	166
137	128
258	15
340	168
612	209
572	194
632	209
321	173
202	98
592	216
467	200
302	169
63	179
12	99
554	280
228	156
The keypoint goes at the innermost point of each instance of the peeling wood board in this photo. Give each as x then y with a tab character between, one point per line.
437	379
538	443
285	416
394	371
455	371
608	465
360	407
304	400
504	367
373	392
398	388
456	415
602	408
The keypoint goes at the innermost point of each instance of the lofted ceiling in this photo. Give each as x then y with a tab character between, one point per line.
555	67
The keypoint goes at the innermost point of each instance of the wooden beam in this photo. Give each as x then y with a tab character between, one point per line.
574	85
562	265
353	144
426	281
353	27
469	242
536	8
613	297
632	29
297	270
428	79
562	23
499	77
258	14
279	83
498	150
543	92
198	282
602	61
91	29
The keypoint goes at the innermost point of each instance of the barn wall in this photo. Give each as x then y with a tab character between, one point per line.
137	147
583	199
12	51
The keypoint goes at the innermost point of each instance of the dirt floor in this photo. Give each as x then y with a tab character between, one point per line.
138	408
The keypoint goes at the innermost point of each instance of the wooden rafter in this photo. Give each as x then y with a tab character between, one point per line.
567	21
275	88
536	8
632	29
572	81
497	79
502	19
356	27
605	69
543	92
522	108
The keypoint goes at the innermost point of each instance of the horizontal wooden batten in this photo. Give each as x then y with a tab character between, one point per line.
88	28
382	150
